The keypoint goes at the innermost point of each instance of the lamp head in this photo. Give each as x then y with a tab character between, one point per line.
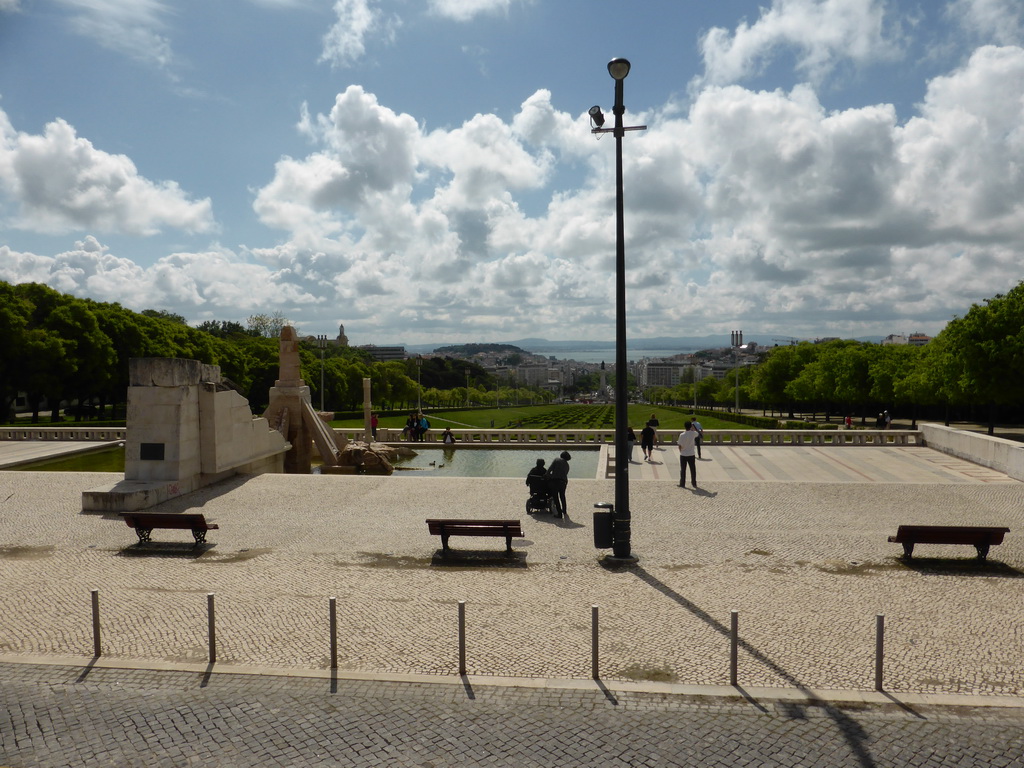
597	116
618	68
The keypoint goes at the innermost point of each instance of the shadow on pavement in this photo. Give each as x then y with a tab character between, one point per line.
852	731
181	550
959	566
478	558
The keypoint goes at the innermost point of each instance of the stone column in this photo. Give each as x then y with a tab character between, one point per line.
367	407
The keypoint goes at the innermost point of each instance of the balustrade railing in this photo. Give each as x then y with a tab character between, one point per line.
496	438
98	434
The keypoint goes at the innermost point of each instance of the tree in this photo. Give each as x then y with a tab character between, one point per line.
224	329
782	365
988	343
269	326
163	314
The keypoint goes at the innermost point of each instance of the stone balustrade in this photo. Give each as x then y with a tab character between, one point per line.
496	438
37	432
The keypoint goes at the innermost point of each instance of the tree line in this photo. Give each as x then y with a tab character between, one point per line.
974	369
58	349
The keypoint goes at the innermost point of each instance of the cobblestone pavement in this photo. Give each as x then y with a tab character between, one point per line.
806	565
63	716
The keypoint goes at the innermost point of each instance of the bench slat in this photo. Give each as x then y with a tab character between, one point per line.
980	537
507	529
145	522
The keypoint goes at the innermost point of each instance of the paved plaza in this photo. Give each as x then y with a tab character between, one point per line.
792	538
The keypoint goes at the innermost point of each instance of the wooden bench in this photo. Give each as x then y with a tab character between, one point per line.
145	522
508	529
981	538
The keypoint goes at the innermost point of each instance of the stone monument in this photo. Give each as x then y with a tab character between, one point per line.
291	412
186	428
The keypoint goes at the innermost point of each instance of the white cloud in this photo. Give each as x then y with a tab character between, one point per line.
764	204
820	33
345	41
215	283
964	154
131	27
465	10
852	216
58	182
999	21
9	6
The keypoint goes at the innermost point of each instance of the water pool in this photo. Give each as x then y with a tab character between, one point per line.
429	462
491	462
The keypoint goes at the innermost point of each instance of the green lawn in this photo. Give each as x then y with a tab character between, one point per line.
570	416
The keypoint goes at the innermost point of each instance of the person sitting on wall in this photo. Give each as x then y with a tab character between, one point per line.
447	437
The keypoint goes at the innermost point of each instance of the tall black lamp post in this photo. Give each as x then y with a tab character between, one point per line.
621	554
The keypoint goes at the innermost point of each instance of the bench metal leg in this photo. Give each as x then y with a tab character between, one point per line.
444	542
508	544
982	550
908	549
200	536
144	534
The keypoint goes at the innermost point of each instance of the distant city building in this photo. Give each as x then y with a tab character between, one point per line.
342	338
384	354
660	373
914	339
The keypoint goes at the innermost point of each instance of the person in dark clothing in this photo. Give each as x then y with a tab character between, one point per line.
535	477
647	441
558	477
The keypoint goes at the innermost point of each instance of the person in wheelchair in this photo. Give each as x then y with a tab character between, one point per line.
541	499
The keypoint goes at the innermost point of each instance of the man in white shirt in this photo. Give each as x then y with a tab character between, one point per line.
687	443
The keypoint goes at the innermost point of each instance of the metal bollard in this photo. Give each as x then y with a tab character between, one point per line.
211	627
462	637
594	673
97	649
879	649
734	643
333	602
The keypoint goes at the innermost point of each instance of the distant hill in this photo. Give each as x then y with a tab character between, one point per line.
543	346
468	350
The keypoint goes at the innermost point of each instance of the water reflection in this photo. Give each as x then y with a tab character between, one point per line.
452	461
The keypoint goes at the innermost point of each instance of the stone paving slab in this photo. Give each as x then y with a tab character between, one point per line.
99	717
806	564
819	464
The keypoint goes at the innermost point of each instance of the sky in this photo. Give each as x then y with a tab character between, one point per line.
423	171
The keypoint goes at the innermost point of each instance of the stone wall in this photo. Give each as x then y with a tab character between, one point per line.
997	453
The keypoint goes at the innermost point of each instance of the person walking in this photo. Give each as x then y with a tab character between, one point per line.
558	476
654	424
700	434
647	441
630	442
687	444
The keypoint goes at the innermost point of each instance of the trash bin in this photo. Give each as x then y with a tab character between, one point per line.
603	536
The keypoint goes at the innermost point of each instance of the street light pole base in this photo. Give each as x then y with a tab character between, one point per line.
619	562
